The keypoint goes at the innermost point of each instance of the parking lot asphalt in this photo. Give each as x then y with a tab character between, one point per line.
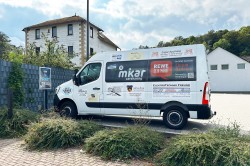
230	108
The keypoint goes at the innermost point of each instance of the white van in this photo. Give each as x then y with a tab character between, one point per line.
171	82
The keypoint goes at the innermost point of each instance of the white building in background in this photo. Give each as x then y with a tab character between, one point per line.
71	33
228	72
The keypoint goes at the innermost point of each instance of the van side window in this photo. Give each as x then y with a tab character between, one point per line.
90	73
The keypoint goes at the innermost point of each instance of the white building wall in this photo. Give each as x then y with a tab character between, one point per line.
62	36
231	80
99	45
71	40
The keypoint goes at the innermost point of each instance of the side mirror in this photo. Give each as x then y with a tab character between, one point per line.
76	71
76	80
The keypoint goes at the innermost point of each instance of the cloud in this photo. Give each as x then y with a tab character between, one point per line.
2	11
144	21
16	41
132	39
50	7
130	23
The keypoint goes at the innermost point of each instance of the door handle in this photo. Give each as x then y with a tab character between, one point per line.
96	88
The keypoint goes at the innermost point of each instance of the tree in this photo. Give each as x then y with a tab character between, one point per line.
16	78
232	37
244	40
53	55
160	44
223	43
4	45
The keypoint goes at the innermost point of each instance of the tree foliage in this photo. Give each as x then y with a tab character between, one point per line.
16	78
236	42
52	55
4	45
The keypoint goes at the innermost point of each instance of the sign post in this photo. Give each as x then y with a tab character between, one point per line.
45	83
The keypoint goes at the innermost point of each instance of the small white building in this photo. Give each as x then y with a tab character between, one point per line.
228	72
71	33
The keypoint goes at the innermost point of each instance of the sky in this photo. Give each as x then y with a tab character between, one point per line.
129	23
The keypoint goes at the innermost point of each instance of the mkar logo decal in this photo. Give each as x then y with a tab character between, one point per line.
130	74
126	71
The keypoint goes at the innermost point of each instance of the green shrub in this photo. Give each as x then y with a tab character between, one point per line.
49	113
221	147
59	133
17	125
126	143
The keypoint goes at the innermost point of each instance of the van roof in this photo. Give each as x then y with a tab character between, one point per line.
151	53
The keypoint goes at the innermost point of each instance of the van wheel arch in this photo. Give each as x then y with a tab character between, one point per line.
175	115
71	104
174	104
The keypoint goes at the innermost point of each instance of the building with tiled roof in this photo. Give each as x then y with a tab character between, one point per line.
71	33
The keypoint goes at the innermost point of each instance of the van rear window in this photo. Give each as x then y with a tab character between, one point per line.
174	69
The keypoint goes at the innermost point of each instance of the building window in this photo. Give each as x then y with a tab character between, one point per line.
54	31
70	29
241	66
224	67
91	51
70	50
91	32
213	67
37	50
37	34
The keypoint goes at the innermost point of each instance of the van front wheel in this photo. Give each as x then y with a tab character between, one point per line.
175	118
68	109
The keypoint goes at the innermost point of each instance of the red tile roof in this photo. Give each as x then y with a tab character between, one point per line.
60	21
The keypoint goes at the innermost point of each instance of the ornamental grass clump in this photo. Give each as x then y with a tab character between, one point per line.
17	125
222	146
126	143
52	133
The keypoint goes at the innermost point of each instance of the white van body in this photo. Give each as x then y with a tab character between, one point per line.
170	81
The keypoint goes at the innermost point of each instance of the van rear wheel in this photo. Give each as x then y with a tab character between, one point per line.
68	109
175	118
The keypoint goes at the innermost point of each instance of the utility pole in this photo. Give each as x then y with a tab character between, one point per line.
87	31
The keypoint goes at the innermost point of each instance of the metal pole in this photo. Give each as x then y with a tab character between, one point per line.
45	99
87	58
10	103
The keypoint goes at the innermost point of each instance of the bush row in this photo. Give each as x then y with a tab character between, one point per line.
126	143
17	125
59	133
221	146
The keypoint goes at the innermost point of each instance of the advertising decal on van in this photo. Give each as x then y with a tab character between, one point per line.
171	53
126	71
174	69
171	90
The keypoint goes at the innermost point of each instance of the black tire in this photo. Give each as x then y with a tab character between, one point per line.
68	109
175	118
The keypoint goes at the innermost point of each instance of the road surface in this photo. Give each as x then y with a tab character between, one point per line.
229	107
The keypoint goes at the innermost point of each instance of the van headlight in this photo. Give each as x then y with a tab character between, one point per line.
57	89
